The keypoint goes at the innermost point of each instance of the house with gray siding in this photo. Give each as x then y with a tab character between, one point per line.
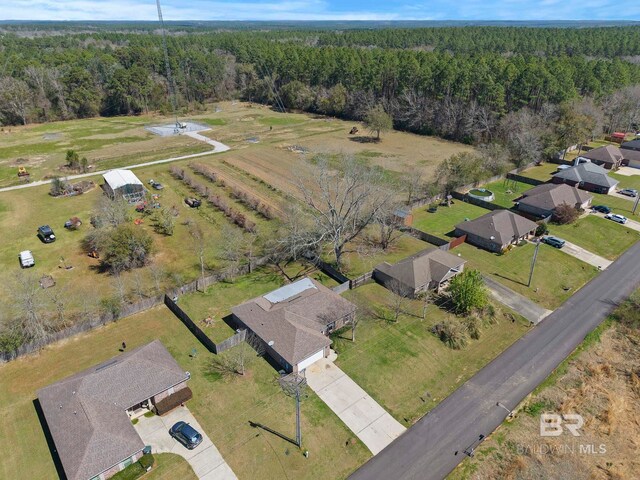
587	176
429	269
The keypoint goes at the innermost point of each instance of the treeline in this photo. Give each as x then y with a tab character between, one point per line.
460	90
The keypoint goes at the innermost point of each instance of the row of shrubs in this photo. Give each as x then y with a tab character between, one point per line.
236	217
251	201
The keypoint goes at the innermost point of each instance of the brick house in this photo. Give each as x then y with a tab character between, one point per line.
608	157
429	269
89	414
294	321
496	230
587	176
541	201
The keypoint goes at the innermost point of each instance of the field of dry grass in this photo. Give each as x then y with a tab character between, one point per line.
600	383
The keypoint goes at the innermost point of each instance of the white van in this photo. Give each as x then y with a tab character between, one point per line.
26	259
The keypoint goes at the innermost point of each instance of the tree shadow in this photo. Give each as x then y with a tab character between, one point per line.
365	139
50	443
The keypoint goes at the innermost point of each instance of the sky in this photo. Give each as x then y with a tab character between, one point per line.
321	10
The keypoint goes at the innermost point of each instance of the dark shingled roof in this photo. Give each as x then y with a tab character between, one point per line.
607	154
504	225
631	145
86	413
420	269
551	195
295	324
588	173
630	154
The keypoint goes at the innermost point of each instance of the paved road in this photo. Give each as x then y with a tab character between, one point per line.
519	303
427	450
362	414
219	147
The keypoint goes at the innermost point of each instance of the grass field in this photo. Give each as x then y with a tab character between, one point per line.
598	235
627	181
442	222
405	367
557	275
222	406
542	172
507	191
169	466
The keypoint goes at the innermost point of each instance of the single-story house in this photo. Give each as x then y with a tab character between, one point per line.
541	201
608	157
89	413
587	176
631	145
123	183
294	322
630	158
496	230
429	269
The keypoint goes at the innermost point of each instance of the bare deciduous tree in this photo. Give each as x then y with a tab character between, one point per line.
398	298
340	205
29	303
199	245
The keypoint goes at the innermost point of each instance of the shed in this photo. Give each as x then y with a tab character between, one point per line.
123	183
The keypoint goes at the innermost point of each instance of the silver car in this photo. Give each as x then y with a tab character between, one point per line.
616	218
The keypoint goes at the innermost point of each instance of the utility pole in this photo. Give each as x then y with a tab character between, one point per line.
635	205
533	262
172	86
293	385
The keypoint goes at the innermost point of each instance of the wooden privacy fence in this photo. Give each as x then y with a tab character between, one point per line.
527	180
361	280
425	237
476	201
209	344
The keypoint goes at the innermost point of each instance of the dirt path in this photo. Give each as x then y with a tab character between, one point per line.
219	147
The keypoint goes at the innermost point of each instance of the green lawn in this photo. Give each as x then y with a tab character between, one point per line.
627	181
442	222
169	466
358	263
619	205
598	235
224	407
405	367
541	172
506	191
557	275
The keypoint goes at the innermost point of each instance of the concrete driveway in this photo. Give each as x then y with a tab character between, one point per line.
584	255
632	224
205	459
525	307
619	195
628	171
362	414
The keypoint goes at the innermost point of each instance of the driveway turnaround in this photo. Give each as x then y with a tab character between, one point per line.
361	413
436	443
585	255
521	304
218	147
205	459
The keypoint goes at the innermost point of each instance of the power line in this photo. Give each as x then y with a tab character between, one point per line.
172	86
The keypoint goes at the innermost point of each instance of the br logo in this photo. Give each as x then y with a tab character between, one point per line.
551	424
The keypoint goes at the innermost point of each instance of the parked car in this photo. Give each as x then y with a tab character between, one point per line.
193	202
629	192
46	234
26	259
156	185
563	167
602	209
186	435
616	218
554	241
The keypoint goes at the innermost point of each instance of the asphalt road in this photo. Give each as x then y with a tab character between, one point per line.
427	450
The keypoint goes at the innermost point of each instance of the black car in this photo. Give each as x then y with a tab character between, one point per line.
186	435
46	234
602	209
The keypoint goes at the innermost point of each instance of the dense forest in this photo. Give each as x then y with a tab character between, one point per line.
456	82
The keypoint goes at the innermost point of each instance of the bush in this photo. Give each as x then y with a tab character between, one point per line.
124	247
542	229
452	333
565	214
473	324
468	292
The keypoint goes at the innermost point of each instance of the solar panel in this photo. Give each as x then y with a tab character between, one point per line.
289	291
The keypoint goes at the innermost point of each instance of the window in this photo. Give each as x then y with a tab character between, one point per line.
127	462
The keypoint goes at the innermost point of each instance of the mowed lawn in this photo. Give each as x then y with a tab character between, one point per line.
224	407
598	235
168	466
507	191
542	172
442	222
557	275
404	366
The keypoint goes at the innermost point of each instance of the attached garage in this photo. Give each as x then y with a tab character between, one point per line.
310	360
634	163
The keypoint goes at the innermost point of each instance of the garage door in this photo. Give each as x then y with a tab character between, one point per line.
309	360
634	163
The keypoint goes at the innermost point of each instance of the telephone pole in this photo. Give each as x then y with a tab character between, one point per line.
533	262
293	385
